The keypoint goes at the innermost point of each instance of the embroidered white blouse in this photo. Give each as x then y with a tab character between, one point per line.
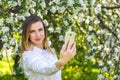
39	64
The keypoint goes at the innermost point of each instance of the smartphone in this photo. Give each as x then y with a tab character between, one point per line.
70	35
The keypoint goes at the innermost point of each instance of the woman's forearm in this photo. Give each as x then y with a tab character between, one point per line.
60	63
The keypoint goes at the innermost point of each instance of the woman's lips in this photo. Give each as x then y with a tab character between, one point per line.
38	39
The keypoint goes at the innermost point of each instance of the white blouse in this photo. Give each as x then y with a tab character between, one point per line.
39	64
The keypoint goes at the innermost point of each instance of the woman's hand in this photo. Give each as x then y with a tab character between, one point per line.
67	52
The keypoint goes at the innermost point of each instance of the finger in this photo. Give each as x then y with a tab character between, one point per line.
73	47
74	52
63	48
70	44
66	43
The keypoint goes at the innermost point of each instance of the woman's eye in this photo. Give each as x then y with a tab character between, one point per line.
40	29
32	31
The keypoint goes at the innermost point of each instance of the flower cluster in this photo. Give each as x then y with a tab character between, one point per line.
96	23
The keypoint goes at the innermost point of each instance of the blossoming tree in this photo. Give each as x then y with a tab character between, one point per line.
96	22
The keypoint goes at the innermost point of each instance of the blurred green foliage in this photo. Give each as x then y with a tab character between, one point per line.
80	16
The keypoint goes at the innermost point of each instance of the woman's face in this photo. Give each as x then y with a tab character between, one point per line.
37	34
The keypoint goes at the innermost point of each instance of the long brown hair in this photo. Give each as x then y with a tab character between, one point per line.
26	43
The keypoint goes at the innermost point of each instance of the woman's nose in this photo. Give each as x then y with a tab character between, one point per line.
37	34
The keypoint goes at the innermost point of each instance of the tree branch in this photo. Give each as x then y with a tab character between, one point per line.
16	9
117	44
80	31
1	44
113	7
106	27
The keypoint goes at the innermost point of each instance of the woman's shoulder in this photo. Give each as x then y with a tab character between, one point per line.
28	54
30	51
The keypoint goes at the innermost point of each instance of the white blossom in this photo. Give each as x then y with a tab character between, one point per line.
27	14
11	14
90	28
5	29
116	58
39	13
92	18
50	29
107	49
110	13
5	46
70	2
66	22
33	4
58	29
110	24
84	7
56	1
89	57
33	10
101	63
101	31
92	2
28	2
81	15
94	48
81	1
104	69
90	37
100	76
98	9
12	41
119	36
109	62
10	20
45	22
4	38
12	3
1	22
50	3
116	50
21	17
7	52
104	2
53	9
19	2
118	12
83	4
49	42
43	5
116	77
61	9
96	22
61	38
100	47
46	12
102	54
115	1
87	21
16	47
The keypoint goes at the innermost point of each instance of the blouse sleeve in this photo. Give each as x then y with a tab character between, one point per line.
36	64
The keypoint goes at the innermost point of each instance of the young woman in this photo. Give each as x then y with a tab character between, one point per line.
39	61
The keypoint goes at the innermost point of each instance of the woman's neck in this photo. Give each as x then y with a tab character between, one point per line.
39	46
